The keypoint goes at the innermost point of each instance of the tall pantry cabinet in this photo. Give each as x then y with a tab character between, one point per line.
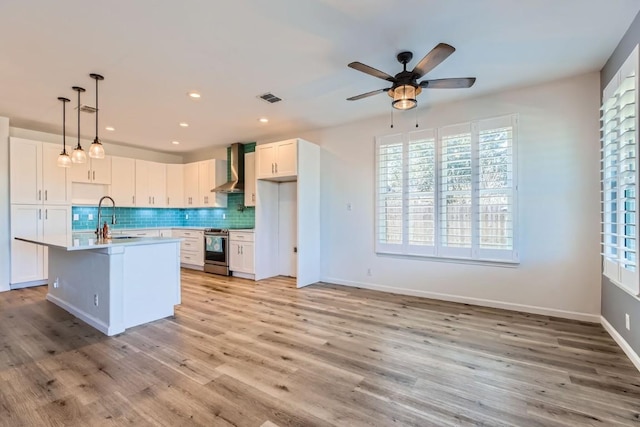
40	195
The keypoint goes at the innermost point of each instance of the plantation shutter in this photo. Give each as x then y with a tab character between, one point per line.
496	190
420	192
389	193
455	202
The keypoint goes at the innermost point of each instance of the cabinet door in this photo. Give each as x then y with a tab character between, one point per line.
55	189
236	262
158	184
123	181
101	170
26	171
191	184
175	185
206	178
247	252
143	195
265	160
287	158
250	179
27	259
80	172
56	221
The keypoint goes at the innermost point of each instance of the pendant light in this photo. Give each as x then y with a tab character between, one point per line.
64	161
78	155
96	151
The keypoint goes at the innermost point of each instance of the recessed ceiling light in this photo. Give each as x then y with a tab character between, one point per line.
194	94
263	120
175	142
184	124
110	128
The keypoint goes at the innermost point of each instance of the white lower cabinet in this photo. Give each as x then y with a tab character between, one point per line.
241	253
29	261
191	247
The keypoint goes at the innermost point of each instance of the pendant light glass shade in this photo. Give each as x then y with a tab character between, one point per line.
64	161
96	151
78	155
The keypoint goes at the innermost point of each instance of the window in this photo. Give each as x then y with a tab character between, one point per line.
619	176
448	192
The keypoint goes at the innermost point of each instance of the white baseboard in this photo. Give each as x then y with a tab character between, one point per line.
624	345
90	320
585	317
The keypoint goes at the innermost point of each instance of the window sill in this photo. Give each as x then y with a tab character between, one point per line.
483	262
622	287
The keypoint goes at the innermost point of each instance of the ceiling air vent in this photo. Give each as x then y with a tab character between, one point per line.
270	98
87	109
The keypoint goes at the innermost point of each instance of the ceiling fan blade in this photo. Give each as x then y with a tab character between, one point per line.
433	59
371	71
459	83
364	95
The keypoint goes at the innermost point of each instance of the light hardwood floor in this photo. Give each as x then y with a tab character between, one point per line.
267	354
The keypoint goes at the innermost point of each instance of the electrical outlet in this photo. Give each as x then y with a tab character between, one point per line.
369	272
224	216
90	217
76	217
627	321
56	283
186	216
95	299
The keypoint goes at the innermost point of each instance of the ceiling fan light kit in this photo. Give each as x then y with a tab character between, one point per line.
406	87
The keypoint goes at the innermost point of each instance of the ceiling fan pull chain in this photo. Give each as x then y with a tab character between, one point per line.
391	118
416	110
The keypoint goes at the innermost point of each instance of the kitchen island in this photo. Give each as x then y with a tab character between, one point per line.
116	283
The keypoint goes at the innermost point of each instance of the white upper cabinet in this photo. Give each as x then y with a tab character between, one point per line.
35	175
250	179
277	161
175	185
191	185
212	173
123	180
94	171
151	184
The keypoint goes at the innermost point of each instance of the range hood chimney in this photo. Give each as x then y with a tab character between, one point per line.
236	167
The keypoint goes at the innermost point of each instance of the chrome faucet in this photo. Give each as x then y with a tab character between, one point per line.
113	217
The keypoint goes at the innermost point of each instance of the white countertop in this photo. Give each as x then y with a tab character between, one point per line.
87	240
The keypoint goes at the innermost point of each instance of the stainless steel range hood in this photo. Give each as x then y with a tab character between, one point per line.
236	167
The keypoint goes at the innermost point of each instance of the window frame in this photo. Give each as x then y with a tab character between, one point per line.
614	264
473	254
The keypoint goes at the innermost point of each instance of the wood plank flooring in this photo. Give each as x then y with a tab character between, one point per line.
240	353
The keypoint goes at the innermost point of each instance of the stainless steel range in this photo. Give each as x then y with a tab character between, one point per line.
216	251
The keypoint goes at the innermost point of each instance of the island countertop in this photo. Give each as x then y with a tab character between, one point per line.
87	241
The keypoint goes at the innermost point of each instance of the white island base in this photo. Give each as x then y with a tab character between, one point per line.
115	286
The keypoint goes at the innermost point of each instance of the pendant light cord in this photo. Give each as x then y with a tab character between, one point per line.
78	119
64	127
96	108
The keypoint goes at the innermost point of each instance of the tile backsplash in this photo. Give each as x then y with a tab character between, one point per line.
229	217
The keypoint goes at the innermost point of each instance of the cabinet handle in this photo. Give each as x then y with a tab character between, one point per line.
46	214
88	175
276	168
39	194
272	169
238	249
39	213
94	175
46	195
133	200
253	197
242	250
153	200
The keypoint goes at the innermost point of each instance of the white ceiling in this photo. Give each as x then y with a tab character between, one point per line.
153	52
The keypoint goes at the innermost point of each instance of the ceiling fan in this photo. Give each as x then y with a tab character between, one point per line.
405	86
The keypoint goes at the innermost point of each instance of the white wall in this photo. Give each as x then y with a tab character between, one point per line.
559	206
5	232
